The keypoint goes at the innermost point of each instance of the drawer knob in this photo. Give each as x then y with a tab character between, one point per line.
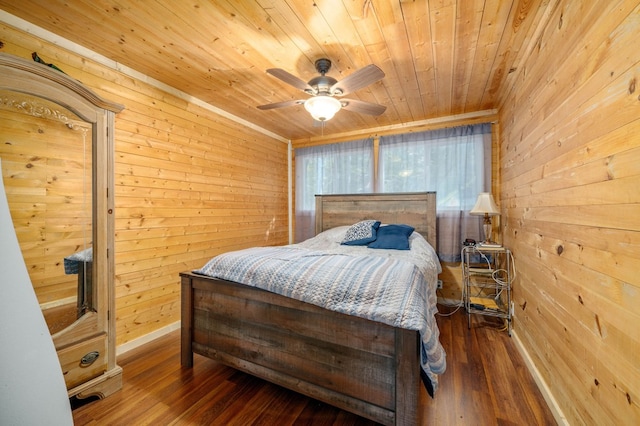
89	358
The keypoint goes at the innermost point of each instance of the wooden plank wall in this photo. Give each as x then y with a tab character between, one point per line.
570	198
189	184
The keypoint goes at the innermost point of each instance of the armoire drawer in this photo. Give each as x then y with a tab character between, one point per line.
84	361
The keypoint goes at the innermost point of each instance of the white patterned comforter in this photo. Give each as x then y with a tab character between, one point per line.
368	283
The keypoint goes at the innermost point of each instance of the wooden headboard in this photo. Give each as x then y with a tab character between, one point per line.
417	209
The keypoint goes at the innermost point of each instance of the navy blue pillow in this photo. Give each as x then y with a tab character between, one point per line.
361	233
392	237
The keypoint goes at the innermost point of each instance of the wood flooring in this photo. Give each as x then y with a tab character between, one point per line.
486	383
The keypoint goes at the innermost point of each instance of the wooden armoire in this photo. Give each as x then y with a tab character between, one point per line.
57	148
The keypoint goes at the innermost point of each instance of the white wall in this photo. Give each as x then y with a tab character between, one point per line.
32	388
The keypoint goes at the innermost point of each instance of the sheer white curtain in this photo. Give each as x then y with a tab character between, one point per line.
341	168
456	163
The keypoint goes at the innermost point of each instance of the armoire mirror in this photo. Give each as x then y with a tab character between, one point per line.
47	167
56	146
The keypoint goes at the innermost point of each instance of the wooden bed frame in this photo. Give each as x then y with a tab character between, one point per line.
362	366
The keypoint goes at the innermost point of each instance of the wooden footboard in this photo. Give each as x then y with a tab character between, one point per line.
365	367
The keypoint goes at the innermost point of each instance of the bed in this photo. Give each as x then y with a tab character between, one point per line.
364	366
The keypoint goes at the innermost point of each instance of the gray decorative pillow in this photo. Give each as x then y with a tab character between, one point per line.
361	233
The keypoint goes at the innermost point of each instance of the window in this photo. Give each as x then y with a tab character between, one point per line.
456	163
342	168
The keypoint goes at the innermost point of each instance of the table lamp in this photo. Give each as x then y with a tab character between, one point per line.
486	206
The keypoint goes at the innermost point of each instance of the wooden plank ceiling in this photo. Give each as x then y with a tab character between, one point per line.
440	57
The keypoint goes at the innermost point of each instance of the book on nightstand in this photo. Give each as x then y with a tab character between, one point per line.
488	245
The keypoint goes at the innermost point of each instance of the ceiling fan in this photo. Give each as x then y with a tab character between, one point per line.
324	90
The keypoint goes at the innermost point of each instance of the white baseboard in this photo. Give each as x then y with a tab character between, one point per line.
542	385
147	338
60	302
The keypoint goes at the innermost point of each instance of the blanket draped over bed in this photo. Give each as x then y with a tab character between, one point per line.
378	288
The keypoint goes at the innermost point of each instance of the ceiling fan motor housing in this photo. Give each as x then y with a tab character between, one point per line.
321	85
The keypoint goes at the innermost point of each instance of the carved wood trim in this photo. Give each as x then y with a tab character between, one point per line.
58	77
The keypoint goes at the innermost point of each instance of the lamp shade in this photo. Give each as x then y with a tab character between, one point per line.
322	107
485	205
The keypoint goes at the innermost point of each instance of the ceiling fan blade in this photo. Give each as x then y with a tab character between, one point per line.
281	104
362	107
359	79
290	79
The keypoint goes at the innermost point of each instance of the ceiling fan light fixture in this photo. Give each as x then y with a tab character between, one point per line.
322	107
